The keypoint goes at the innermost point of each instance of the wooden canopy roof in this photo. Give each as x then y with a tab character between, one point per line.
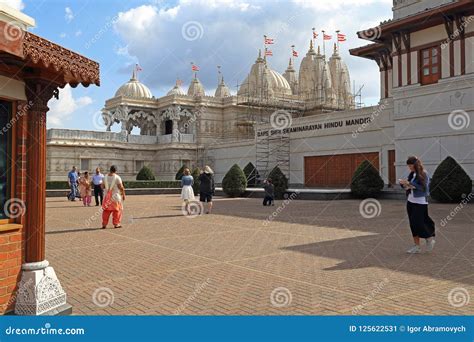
25	55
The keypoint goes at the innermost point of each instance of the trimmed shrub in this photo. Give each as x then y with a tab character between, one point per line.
57	185
366	181
60	185
151	184
450	183
196	172
234	182
251	174
180	172
145	174
280	182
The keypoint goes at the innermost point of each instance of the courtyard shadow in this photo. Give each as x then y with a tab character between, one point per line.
73	230
369	252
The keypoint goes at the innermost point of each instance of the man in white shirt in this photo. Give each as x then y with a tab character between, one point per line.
97	180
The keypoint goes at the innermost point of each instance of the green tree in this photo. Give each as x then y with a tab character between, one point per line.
280	182
234	182
450	183
145	174
251	173
180	172
366	181
196	172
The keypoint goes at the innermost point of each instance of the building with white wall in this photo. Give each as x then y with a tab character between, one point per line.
305	121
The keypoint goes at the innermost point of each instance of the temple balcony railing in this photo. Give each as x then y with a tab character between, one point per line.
142	139
176	138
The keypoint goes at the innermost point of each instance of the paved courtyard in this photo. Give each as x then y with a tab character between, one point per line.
311	257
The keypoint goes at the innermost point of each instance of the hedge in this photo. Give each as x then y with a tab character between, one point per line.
366	181
145	174
450	182
59	185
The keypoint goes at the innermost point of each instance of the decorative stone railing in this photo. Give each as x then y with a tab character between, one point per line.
68	134
142	139
55	134
177	138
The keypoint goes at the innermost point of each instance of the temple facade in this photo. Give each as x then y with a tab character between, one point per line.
304	119
182	127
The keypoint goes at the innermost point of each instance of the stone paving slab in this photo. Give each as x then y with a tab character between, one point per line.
296	258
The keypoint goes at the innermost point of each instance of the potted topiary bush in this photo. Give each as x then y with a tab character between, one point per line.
280	182
450	183
180	172
234	182
366	181
251	173
145	174
196	172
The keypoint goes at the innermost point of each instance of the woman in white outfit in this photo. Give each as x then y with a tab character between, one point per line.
187	192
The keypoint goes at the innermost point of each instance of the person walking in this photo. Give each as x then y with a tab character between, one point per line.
85	189
72	179
113	200
269	192
206	187
417	187
187	192
97	180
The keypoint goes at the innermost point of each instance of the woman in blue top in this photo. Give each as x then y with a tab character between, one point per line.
417	187
187	193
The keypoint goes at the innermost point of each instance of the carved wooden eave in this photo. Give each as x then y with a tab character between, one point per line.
75	69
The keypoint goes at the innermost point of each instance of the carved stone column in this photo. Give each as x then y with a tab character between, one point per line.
39	290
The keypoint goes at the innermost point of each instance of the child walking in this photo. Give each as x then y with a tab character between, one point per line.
187	192
85	189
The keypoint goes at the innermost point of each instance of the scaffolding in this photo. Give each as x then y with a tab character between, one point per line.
272	145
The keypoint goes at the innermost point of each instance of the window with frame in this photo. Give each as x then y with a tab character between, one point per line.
5	159
138	165
85	164
430	65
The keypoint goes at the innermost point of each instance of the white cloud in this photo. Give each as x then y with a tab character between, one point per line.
78	33
69	15
62	109
230	32
17	4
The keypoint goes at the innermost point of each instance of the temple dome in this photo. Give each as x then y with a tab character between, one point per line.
315	81
134	89
222	89
263	81
341	81
196	88
291	77
176	90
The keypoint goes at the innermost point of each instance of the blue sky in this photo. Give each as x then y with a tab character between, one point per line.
165	36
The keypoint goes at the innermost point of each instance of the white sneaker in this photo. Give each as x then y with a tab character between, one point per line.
414	250
430	242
